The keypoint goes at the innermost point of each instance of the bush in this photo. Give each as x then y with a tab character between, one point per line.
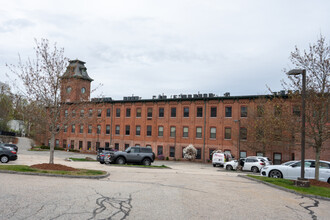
160	157
44	147
167	158
74	150
190	152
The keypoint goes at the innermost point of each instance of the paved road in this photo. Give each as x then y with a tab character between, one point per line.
187	191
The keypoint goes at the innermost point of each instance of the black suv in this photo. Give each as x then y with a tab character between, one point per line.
7	154
142	155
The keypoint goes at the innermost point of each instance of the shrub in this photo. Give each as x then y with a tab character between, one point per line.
44	147
167	158
190	152
160	157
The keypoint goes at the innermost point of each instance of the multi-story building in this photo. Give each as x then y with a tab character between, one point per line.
166	124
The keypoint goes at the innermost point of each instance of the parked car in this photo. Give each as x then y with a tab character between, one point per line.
142	155
292	170
219	159
101	155
11	145
252	163
7	154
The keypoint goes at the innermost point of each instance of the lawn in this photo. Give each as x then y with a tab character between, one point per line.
87	159
138	165
312	190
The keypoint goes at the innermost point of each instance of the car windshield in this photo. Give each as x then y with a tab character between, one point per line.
288	163
128	149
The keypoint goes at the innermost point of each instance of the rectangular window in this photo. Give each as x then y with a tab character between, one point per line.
65	128
117	129
89	129
126	146
107	144
73	113
213	112
107	129
138	112
161	112
213	133
149	112
73	129
227	133
81	129
149	130
89	145
185	132
172	151
99	113
159	150
172	131
244	112
128	112
98	131
260	111
277	158
90	112
242	154
173	112
199	154
108	112
116	146
80	145
296	111
57	143
199	112
117	112
260	154
228	112
127	129
186	112
66	113
138	130
199	132
82	113
243	133
160	131
64	143
72	144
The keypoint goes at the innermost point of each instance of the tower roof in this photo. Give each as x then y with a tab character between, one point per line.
76	69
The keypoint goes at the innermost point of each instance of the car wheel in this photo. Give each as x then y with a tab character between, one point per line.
255	169
101	162
214	165
229	167
146	162
275	174
120	160
4	159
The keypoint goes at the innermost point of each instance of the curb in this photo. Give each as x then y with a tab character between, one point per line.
56	175
285	189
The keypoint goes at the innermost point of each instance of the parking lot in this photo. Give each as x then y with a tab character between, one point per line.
186	191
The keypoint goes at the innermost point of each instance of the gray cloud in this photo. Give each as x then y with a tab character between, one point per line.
15	24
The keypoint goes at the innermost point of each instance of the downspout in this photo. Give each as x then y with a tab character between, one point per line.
204	130
111	115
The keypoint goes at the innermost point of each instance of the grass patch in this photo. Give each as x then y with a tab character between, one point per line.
312	190
80	172
87	159
138	165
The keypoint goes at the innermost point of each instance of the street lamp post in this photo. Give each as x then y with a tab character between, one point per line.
302	181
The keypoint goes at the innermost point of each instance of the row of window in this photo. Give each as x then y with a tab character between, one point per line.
160	132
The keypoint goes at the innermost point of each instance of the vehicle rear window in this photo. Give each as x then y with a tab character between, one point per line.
145	150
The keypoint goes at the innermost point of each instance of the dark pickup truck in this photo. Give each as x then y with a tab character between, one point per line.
142	155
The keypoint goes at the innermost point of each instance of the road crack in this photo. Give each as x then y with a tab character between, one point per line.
309	207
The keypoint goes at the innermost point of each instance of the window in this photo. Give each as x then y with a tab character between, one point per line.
98	131
80	145
213	112
127	130
116	146
161	112
242	154
186	112
90	112
173	112
260	111
172	131
57	143
138	112
243	133
73	129
260	154
199	132
228	112
81	129
324	165
277	158
199	154
73	113
108	112
82	112
172	151
89	129
107	144
117	112
149	112
66	113
64	143
159	150
160	131
117	130
128	112
65	128
149	129
72	144
199	112
138	130
227	133
296	111
211	153
213	132
244	111
97	145
185	132
107	129
89	145
99	113
126	146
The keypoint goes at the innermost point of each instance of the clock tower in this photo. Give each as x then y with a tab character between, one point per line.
75	83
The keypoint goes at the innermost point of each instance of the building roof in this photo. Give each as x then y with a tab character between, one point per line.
76	69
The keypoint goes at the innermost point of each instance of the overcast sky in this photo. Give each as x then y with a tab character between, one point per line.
174	47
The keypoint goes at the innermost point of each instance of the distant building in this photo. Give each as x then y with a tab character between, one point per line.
18	126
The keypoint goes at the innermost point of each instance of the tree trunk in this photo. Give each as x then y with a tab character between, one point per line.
51	150
317	160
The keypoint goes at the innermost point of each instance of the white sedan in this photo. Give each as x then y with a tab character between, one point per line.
292	171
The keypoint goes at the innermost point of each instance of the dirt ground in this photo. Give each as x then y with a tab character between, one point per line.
47	166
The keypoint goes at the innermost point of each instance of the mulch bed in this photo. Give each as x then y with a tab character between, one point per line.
319	183
48	166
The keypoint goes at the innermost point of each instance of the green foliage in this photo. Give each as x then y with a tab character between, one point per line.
82	159
167	158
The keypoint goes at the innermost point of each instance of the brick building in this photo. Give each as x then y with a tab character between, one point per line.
166	124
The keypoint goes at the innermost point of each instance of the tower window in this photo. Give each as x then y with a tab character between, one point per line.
83	90
68	89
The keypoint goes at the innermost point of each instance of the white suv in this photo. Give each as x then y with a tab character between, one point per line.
254	164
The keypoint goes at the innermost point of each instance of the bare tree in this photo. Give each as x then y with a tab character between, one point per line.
316	61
